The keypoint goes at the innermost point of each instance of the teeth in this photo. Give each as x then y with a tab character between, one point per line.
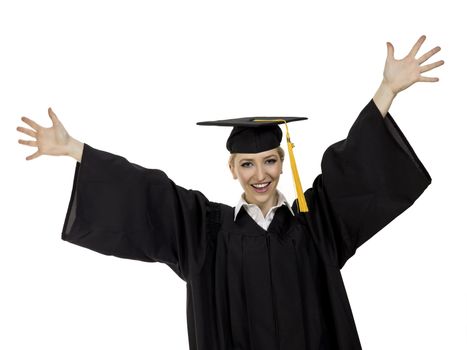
261	185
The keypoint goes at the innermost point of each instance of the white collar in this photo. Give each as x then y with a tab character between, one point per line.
281	200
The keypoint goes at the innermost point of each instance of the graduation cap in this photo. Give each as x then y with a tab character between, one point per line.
259	134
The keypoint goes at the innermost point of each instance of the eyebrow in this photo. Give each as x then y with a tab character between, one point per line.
267	157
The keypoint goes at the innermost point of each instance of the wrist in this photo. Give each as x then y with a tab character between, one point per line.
75	149
383	98
386	89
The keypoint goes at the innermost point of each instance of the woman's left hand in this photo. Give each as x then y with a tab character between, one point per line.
400	74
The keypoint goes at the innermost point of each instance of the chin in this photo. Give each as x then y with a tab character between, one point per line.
262	197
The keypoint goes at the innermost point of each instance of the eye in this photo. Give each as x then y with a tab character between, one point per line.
247	164
271	161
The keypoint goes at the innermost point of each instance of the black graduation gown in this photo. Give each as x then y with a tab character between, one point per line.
248	288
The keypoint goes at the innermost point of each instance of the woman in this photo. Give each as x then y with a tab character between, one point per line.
262	275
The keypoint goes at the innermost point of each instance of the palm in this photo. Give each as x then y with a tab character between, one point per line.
52	140
49	141
400	74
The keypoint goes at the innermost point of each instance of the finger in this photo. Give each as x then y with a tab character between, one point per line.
428	79
417	45
428	54
29	132
53	116
390	50
31	123
34	155
430	66
28	143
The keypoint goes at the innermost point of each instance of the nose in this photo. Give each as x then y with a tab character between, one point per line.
260	173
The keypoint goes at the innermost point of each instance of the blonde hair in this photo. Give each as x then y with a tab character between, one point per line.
279	150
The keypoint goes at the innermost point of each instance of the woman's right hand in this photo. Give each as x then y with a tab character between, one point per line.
53	141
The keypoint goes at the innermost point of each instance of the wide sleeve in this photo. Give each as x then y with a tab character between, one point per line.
122	209
367	180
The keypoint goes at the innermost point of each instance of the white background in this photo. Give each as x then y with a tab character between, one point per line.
133	78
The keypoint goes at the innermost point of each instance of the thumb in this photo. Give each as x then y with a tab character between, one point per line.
390	50
53	116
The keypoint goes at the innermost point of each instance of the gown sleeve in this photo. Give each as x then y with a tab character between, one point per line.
122	209
367	180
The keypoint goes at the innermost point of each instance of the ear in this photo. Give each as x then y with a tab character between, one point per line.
232	170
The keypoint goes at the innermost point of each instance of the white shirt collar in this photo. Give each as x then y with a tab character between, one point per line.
281	200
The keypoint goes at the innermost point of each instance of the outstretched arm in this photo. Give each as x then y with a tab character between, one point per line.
398	75
53	141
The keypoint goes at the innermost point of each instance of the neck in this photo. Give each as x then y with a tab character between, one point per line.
265	207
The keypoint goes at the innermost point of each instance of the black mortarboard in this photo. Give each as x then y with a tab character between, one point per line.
254	134
258	134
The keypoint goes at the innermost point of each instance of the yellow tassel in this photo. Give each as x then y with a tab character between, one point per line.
302	206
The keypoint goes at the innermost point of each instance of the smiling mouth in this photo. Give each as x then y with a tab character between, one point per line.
261	187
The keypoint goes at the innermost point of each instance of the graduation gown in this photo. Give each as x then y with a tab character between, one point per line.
248	288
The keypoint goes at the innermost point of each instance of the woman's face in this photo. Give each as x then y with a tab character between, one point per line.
258	173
